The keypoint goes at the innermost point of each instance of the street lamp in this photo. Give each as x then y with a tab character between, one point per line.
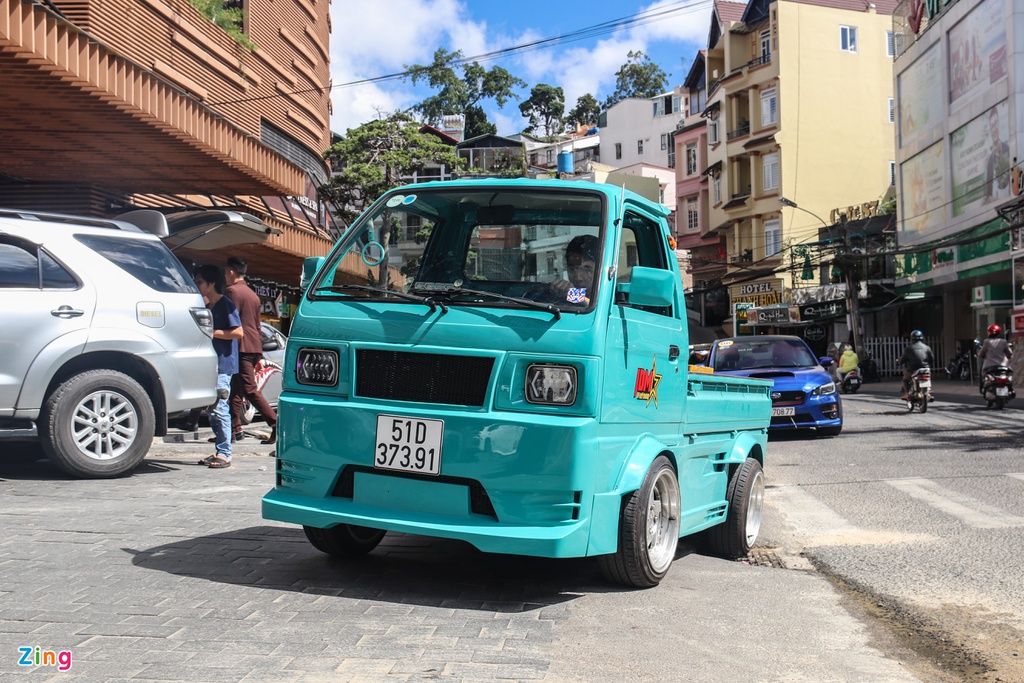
852	302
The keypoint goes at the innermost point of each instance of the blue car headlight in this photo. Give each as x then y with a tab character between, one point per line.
825	389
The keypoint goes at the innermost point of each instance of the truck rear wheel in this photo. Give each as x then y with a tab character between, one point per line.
734	537
344	540
97	424
648	530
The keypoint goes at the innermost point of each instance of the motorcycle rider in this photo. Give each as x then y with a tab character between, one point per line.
994	351
915	356
848	361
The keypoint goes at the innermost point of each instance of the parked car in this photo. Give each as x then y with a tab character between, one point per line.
105	334
804	395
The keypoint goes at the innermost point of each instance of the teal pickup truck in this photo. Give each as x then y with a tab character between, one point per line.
504	362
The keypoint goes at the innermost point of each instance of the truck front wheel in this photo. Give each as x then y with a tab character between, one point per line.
648	530
734	537
344	540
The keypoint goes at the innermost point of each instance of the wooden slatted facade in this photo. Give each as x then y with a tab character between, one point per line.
146	102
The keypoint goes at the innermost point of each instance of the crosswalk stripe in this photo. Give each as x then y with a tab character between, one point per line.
1016	475
807	512
965	508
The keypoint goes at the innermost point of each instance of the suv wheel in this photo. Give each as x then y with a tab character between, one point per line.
97	424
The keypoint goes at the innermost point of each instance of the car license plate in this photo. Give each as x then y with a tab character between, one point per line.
783	412
1002	391
408	444
925	384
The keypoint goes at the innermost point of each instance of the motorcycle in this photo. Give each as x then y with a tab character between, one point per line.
869	368
851	382
960	366
997	387
920	393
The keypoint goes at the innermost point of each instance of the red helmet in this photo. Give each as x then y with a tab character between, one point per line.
994	330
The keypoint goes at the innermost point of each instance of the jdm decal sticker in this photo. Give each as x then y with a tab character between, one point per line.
647	381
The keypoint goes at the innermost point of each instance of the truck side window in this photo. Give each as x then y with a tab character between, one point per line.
641	245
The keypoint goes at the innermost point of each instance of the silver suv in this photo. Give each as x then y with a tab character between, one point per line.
104	334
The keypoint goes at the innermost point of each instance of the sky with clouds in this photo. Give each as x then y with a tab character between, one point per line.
372	39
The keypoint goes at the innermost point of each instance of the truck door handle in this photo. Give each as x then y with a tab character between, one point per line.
673	352
66	311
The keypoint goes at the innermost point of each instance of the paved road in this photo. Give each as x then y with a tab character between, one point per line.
171	575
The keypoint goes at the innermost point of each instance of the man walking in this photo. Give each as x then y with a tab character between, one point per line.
250	351
227	330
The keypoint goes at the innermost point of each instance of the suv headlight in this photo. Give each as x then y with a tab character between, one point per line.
318	367
551	384
825	389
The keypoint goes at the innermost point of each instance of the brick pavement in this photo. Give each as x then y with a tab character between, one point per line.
171	574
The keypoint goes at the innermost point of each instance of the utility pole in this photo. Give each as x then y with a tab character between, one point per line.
852	287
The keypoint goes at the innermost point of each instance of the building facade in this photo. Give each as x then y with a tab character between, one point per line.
800	107
114	105
959	79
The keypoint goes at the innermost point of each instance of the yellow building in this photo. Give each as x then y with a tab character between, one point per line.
800	107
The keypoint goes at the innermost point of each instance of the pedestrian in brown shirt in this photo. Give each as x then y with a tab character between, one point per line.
250	351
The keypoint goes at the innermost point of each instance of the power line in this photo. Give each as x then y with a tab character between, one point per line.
596	30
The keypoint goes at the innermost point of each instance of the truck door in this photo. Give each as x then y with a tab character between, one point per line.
646	346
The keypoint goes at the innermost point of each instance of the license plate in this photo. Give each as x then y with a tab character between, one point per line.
783	412
925	384
1002	391
408	444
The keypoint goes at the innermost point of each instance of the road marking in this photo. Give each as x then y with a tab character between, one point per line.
969	510
1017	475
819	525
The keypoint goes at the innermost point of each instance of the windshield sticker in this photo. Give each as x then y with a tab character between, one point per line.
396	200
409	199
576	295
724	344
647	381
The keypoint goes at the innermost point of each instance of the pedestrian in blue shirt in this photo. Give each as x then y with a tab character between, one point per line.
227	330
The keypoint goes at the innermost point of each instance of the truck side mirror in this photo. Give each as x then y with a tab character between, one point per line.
310	265
651	287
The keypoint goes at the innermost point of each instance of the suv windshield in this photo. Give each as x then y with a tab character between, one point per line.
750	354
455	246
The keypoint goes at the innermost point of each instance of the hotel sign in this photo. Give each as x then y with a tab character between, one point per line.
758	293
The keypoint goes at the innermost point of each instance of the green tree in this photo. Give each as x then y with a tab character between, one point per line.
375	157
638	77
544	109
462	94
229	18
585	112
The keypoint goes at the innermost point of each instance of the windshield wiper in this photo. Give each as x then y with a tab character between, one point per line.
526	303
429	301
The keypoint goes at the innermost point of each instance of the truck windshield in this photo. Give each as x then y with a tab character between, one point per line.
486	246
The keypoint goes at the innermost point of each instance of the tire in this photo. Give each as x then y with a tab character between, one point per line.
965	372
345	540
924	403
648	530
98	424
734	538
1000	403
830	431
910	405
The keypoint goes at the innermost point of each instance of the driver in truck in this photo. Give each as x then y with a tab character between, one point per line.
580	260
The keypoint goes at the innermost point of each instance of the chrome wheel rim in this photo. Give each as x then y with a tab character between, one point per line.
105	425
755	509
662	528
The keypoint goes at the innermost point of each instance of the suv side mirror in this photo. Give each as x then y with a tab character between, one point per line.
826	361
651	287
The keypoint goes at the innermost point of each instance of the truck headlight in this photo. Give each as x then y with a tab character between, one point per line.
318	367
825	389
551	384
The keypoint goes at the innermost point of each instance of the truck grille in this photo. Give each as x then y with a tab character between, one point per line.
422	377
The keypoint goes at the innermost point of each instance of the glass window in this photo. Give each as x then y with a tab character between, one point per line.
770	170
713	131
691	158
769	107
892	111
19	268
639	146
642	244
54	275
618	150
716	188
772	237
664	140
149	262
890	45
848	38
692	217
766	46
747	354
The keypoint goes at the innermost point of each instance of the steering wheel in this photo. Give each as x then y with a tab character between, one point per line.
539	292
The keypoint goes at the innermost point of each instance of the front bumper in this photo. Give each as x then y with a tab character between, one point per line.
815	412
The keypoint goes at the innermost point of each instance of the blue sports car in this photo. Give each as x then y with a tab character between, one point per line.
804	395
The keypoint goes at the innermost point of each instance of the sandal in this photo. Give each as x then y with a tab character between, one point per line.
218	463
208	459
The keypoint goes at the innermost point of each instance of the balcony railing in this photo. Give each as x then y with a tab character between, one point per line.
738	132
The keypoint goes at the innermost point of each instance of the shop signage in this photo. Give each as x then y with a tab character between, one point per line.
855	212
814	333
740	322
773	315
821	310
943	259
1018	323
758	293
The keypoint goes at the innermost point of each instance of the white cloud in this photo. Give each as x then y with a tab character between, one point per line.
374	39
